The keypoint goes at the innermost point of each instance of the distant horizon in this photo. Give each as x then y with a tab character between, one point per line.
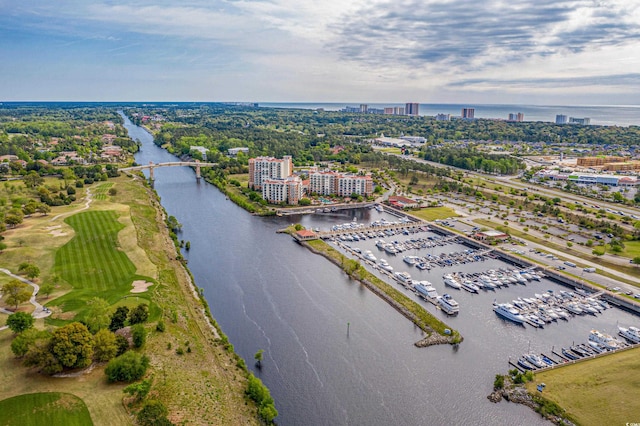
353	103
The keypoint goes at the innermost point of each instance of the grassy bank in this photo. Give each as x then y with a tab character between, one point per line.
432	213
194	370
408	307
596	392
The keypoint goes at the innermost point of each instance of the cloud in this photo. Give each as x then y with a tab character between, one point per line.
609	81
473	35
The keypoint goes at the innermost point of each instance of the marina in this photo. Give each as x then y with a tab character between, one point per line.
296	307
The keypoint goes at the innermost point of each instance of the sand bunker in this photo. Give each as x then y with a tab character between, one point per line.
55	231
140	286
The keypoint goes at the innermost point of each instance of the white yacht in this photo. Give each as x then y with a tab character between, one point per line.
506	310
410	260
403	277
451	282
604	339
369	256
448	304
632	333
470	286
426	290
385	265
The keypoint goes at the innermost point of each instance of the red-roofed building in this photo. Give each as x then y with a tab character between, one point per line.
403	202
305	235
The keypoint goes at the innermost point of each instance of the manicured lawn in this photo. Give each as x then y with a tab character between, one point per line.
602	391
50	408
93	263
631	249
100	192
433	213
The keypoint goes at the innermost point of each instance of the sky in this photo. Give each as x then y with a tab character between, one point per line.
536	52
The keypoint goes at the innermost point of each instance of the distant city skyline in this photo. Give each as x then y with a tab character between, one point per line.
550	52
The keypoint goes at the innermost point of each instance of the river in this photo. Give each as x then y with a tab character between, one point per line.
269	293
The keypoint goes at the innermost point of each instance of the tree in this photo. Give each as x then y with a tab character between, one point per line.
119	318
43	208
19	322
97	316
33	179
22	342
138	390
153	413
122	343
46	289
139	314
105	346
128	367
32	272
599	251
258	357
139	335
636	260
72	345
16	292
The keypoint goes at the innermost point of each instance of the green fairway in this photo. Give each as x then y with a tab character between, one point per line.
51	408
100	191
93	263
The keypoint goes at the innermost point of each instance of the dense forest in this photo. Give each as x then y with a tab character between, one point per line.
469	158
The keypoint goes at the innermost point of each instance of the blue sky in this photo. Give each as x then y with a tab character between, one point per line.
430	51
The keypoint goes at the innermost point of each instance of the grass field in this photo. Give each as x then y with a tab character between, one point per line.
51	408
93	263
602	391
433	213
100	192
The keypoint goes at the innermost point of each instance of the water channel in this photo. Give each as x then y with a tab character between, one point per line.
267	292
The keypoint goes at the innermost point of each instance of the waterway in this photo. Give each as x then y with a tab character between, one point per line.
267	292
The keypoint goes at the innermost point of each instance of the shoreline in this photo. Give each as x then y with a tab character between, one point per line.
432	338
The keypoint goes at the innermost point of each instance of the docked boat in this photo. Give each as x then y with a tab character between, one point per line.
369	256
410	260
422	266
448	304
426	290
597	347
573	308
379	208
507	311
579	351
605	340
451	282
534	320
547	360
470	286
403	277
380	244
525	364
385	265
535	360
632	334
570	355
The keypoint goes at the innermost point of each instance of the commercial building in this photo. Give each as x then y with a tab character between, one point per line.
233	152
287	190
583	121
468	113
261	168
412	108
599	161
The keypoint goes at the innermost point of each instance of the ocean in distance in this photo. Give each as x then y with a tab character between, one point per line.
606	115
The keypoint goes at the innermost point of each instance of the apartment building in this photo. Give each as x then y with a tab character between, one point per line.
261	168
287	190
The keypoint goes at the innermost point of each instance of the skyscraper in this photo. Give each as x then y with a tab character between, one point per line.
561	119
468	113
411	108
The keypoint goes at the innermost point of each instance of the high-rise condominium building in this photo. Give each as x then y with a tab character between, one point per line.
261	168
561	119
411	108
468	112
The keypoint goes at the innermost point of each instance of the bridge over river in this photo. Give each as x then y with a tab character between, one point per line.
197	164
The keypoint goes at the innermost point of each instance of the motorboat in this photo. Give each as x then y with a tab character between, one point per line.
535	360
380	244
573	308
426	290
451	282
410	260
448	304
403	277
422	266
369	256
597	347
547	360
507	311
525	364
534	320
579	351
470	286
385	265
604	339
568	354
632	334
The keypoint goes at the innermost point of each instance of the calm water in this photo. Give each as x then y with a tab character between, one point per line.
268	292
624	115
